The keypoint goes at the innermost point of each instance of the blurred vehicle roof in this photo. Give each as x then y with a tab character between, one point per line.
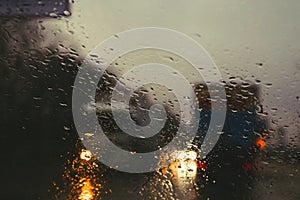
40	8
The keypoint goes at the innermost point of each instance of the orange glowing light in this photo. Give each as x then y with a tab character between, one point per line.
174	167
86	155
261	143
184	166
86	190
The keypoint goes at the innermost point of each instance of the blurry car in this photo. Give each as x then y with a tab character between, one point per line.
243	135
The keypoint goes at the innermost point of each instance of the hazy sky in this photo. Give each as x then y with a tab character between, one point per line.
237	33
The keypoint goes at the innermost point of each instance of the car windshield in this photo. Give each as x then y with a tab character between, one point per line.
150	99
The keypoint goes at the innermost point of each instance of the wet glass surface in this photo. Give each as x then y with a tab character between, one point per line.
255	47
